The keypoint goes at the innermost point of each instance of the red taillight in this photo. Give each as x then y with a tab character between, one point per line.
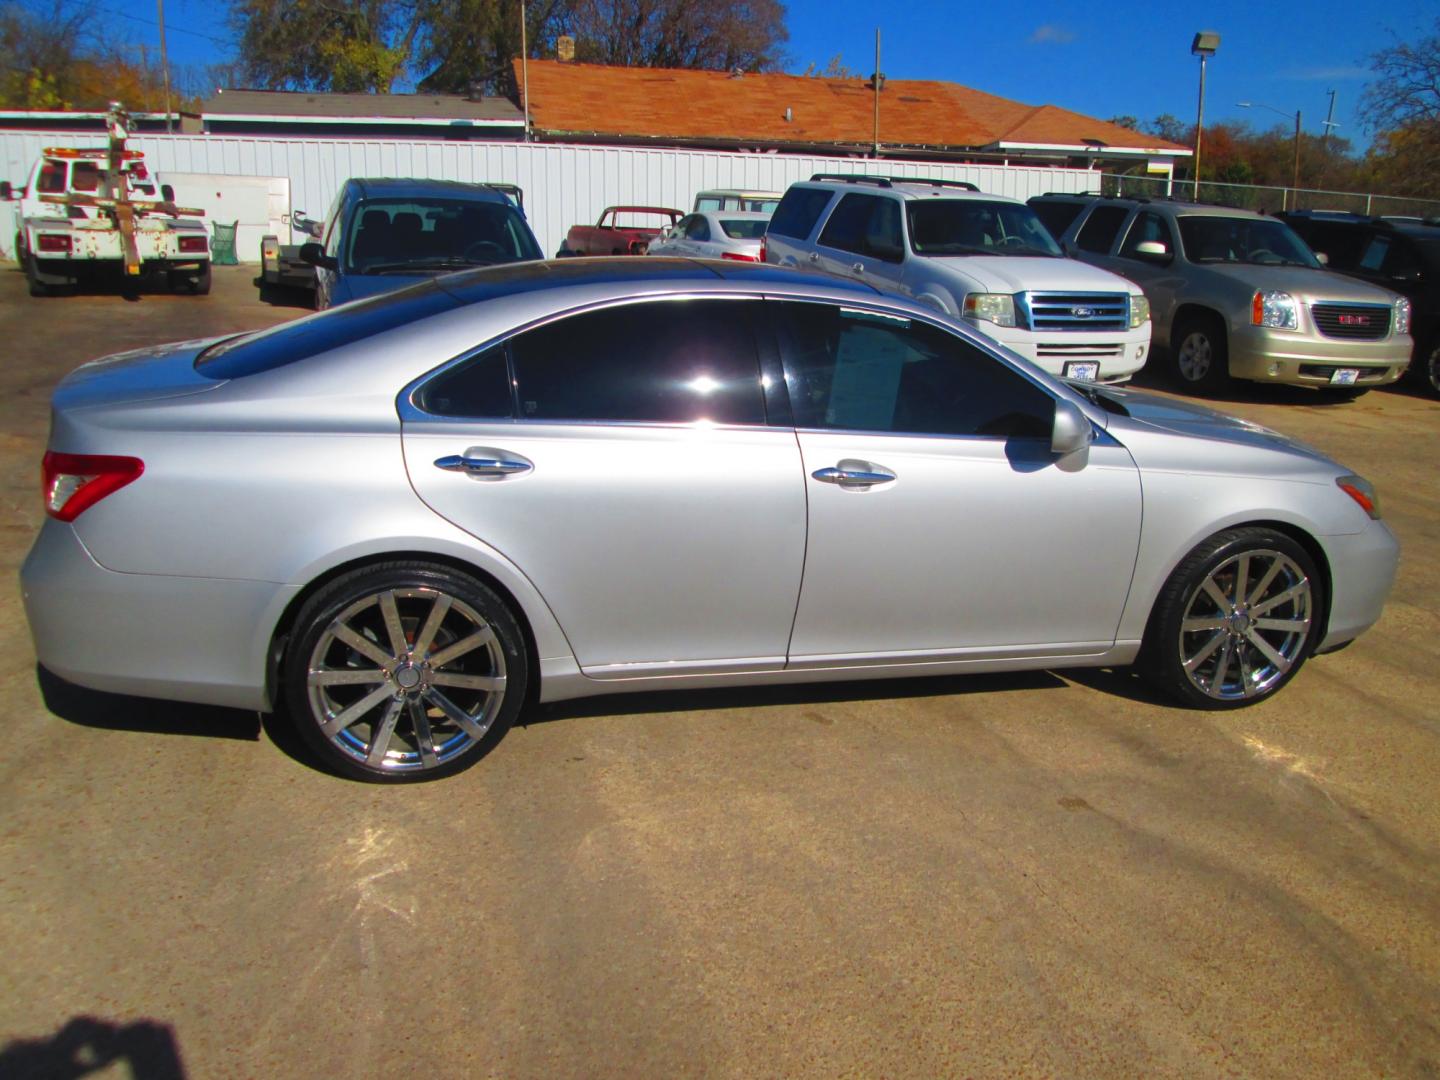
193	244
76	482
53	242
762	250
738	257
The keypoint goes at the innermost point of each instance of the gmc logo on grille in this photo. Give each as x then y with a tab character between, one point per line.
1354	320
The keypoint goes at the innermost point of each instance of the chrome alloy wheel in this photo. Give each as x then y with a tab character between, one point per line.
1245	625
406	679
1195	356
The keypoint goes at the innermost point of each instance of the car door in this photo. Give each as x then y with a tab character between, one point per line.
940	523
697	236
619	457
863	240
1157	275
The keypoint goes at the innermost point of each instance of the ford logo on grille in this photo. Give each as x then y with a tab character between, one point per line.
1354	320
1082	312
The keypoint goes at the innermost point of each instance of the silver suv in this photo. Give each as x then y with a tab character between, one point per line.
1235	294
984	258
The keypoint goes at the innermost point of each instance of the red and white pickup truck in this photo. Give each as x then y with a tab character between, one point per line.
609	236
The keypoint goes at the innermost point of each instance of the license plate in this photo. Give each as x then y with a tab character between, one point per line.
1089	370
1344	376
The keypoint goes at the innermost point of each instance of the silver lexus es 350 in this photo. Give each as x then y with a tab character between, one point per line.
405	518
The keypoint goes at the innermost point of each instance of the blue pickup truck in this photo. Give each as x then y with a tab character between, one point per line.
384	234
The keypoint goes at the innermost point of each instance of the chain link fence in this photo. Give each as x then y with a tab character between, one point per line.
1272	199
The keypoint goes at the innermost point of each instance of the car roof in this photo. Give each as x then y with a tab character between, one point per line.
910	191
744	193
389	187
734	215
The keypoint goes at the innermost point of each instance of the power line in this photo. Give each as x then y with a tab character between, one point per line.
170	28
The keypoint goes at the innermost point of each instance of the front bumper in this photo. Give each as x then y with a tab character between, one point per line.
1296	359
1362	569
201	640
1120	354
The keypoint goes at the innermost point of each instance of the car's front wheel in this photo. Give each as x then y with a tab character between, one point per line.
1200	356
1235	621
404	671
1426	368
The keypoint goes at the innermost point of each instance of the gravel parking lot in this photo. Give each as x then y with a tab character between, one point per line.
1025	875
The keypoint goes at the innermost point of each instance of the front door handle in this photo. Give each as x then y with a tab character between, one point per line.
848	475
485	467
814	256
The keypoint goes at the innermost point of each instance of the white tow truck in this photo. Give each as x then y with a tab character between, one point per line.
84	212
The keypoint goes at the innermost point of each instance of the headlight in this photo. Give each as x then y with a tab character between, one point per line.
1363	492
998	308
1275	309
1139	311
1402	315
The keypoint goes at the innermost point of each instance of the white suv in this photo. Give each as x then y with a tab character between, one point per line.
984	258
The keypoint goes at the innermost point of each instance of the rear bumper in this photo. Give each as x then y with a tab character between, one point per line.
65	271
1363	569
1280	356
201	640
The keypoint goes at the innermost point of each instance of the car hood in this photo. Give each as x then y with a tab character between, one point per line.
139	375
359	286
1153	412
1302	281
1018	273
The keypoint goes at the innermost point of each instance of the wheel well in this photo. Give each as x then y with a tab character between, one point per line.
1196	311
1300	536
286	623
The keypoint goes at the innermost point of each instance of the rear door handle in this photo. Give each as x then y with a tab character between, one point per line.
486	467
848	475
859	268
814	256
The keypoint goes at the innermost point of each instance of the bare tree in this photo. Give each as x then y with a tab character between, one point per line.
1406	89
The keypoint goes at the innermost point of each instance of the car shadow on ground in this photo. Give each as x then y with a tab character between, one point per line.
143	1049
121	712
285	297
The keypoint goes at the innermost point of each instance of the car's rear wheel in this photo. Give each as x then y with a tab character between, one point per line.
1200	355
404	671
37	287
1426	368
1235	621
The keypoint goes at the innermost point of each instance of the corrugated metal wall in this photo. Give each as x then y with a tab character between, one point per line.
563	184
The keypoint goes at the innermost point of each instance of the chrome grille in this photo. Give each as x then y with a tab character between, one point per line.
1355	322
1077	311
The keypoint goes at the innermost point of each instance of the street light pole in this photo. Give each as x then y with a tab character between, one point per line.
1204	46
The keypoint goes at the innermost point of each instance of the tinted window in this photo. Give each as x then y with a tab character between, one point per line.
1098	232
480	388
1342	244
1057	216
977	227
743	228
669	362
1403	261
1374	256
1260	241
854	371
1149	228
698	228
387	235
250	354
798	211
52	178
865	225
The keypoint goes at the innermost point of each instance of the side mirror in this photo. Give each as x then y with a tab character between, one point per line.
167	193
1152	251
1071	431
302	224
6	192
1322	258
314	254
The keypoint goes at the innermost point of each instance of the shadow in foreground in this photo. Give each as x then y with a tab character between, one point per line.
1122	682
86	1046
120	712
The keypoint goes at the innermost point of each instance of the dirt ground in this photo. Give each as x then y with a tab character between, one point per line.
1029	875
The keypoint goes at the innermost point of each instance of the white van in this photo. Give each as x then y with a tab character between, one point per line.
983	258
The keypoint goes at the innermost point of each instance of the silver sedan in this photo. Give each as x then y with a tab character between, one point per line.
716	234
410	516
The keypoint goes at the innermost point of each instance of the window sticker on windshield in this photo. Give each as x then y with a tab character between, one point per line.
868	362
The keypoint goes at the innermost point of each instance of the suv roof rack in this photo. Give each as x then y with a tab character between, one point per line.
1071	195
891	181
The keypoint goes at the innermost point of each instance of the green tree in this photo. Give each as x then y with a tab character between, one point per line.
345	46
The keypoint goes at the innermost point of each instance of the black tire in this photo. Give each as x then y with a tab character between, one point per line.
199	283
1199	354
1219	635
412	699
37	287
1425	368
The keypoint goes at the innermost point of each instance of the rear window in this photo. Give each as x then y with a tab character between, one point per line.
251	354
744	228
798	211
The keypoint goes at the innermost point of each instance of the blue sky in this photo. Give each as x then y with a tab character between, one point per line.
1100	59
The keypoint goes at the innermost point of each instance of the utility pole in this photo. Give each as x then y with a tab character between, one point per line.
1296	185
164	64
524	71
1329	124
876	80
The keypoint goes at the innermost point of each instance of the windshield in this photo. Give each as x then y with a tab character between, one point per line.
977	227
744	228
416	236
1261	241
